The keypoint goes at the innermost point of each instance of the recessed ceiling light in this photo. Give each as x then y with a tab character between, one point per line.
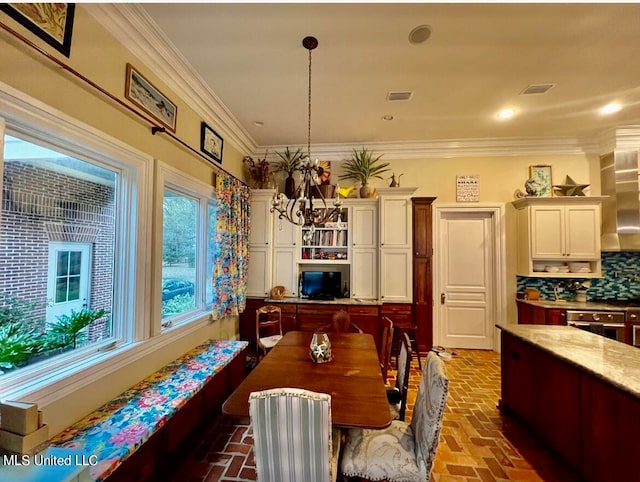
611	108
506	114
387	117
258	123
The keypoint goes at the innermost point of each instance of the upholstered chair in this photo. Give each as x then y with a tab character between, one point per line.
403	452
293	439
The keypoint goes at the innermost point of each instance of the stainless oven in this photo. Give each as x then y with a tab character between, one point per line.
609	324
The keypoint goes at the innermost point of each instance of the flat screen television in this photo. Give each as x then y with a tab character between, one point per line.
321	284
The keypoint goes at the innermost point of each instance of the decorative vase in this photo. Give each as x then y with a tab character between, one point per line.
366	191
320	348
289	186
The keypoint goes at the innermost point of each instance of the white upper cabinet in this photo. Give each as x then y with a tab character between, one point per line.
558	231
261	217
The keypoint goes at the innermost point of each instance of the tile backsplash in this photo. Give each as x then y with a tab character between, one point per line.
620	280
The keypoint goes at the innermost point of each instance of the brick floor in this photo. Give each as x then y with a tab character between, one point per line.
477	444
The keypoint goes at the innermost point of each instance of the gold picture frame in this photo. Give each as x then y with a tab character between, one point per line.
144	94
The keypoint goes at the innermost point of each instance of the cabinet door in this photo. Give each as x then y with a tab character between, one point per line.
547	232
396	275
261	220
395	222
519	378
259	271
364	274
364	226
422	229
285	270
285	234
582	232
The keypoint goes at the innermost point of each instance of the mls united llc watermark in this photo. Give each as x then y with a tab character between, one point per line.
74	460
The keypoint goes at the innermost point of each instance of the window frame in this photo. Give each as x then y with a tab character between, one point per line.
31	120
172	179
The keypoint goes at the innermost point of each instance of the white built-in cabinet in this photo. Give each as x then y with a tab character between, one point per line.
372	247
395	254
364	249
558	230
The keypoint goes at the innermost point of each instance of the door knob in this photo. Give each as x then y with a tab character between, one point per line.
443	298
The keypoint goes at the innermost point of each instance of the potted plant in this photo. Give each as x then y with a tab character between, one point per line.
289	162
362	166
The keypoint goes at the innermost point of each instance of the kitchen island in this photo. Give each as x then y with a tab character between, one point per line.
579	392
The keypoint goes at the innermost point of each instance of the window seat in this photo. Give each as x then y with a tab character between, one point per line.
132	434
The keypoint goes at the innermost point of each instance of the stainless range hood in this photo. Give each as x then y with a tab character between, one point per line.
621	210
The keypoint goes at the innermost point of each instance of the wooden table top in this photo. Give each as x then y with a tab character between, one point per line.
353	378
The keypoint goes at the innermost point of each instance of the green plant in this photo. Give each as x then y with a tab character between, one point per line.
362	166
18	346
178	304
289	161
67	330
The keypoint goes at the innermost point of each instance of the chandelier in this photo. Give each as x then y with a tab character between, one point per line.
308	206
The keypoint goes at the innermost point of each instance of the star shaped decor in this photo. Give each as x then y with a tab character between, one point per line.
570	188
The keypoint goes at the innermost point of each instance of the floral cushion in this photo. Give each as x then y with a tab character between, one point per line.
387	454
118	428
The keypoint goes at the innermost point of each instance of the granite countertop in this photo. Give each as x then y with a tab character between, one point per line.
609	360
574	305
337	301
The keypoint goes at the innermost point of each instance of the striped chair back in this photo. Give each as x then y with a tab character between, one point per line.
291	435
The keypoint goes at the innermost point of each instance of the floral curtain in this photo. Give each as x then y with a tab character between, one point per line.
231	247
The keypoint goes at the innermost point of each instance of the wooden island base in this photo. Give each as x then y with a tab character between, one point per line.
579	392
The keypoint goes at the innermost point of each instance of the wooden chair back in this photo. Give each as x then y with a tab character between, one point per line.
404	370
268	327
386	342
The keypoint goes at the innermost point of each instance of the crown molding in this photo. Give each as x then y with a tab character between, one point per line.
626	137
136	30
452	148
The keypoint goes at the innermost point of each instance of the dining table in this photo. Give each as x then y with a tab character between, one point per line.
353	378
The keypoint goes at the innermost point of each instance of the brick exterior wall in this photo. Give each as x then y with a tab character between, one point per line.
39	206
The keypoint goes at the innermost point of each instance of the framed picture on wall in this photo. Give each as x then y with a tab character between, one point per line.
540	179
144	95
210	142
52	22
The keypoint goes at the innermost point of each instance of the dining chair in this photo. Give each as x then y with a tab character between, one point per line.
268	319
386	342
293	439
340	323
403	452
397	395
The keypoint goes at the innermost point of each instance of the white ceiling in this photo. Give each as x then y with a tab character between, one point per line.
479	59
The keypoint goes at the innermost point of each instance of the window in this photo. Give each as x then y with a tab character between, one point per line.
57	245
188	236
75	232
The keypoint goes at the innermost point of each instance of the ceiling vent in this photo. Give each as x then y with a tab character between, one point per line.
399	95
537	89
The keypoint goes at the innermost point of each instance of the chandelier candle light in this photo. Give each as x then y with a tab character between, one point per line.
308	206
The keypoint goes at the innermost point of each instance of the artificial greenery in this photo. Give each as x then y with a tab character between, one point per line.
289	161
362	166
258	170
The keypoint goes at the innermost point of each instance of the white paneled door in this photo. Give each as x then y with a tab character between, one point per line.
466	303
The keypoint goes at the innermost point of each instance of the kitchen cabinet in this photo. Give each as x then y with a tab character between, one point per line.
543	392
422	234
364	250
396	260
589	422
260	238
529	314
558	230
286	239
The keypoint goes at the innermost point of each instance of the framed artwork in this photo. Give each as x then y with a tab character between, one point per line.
52	22
541	180
468	188
144	95
210	142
